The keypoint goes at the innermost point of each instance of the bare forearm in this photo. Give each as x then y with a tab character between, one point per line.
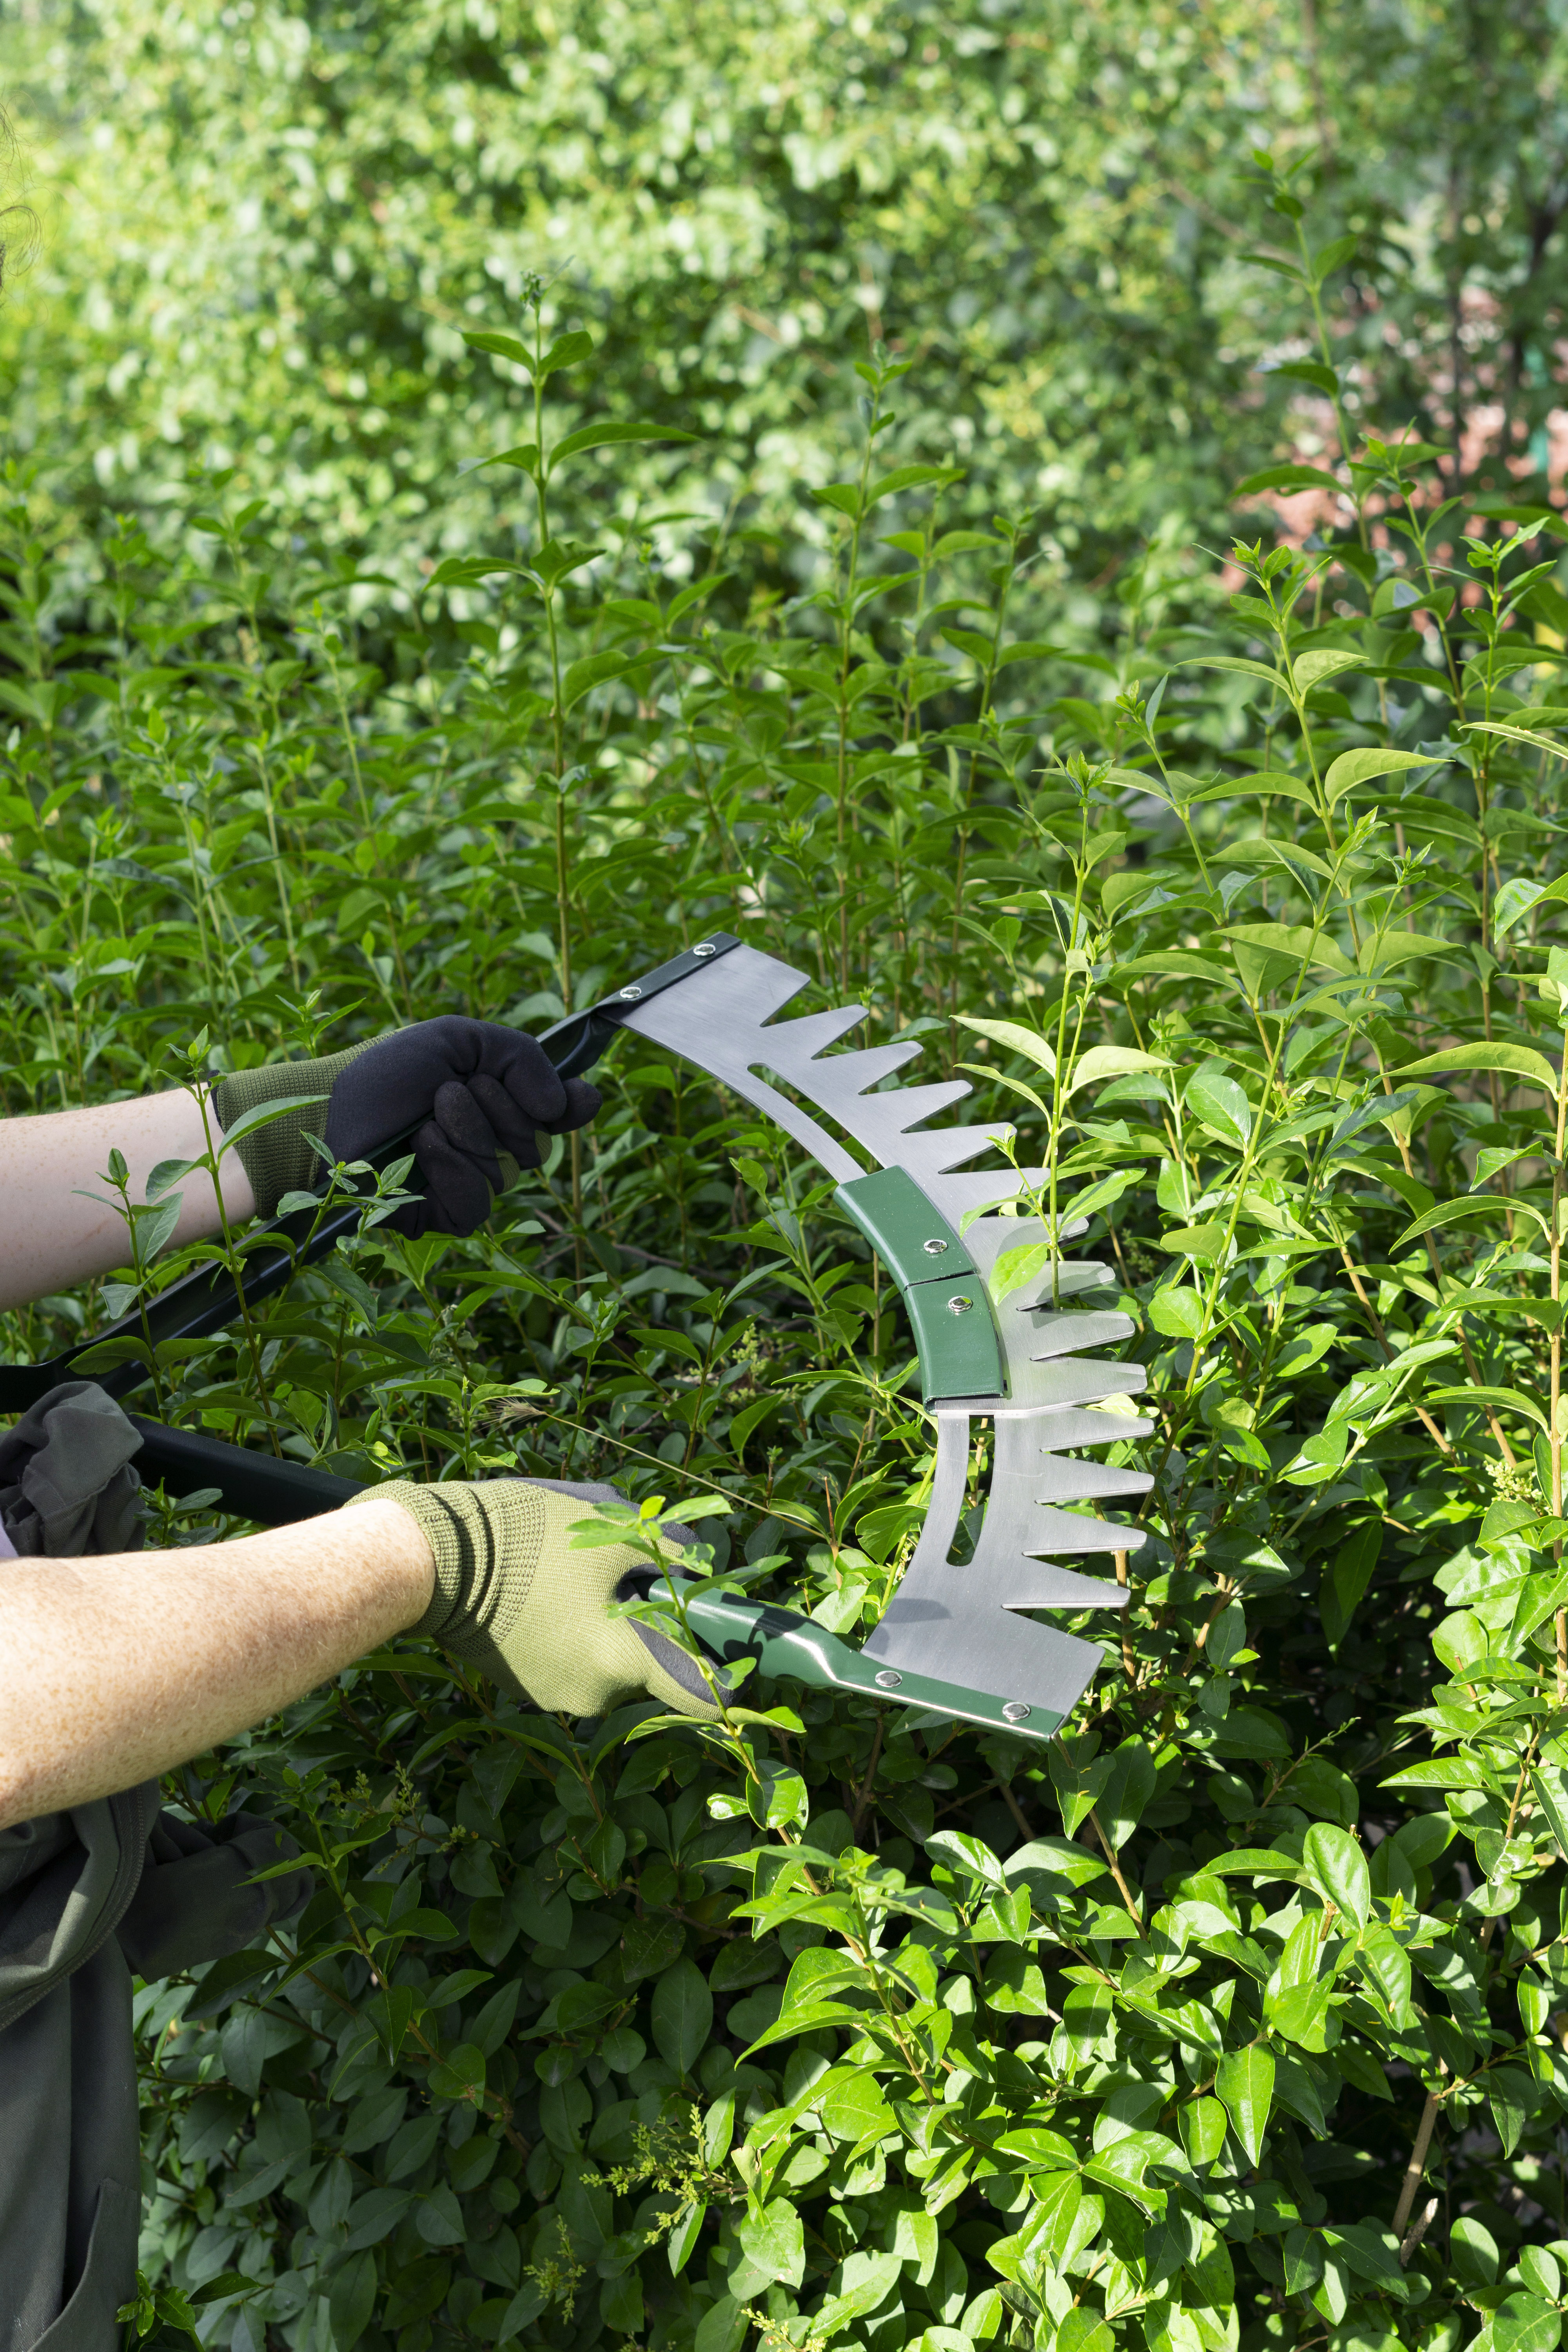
51	1238
115	1669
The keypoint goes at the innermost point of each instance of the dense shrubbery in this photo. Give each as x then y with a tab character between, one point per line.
267	223
1132	2037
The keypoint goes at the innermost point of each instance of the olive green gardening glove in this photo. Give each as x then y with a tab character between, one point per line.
516	1600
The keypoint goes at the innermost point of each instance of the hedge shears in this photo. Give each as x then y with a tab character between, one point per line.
952	1640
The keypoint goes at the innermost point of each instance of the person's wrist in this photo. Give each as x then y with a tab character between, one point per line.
404	1561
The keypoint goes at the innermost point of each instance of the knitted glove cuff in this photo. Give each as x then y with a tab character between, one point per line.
276	1157
473	1608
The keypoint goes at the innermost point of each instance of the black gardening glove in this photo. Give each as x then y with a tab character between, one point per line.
484	1094
490	1093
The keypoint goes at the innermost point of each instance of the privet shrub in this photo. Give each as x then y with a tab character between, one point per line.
1226	2018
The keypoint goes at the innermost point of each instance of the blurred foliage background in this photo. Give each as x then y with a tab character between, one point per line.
266	226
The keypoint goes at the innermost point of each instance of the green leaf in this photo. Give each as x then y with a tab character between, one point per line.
1200	1243
723	2327
460	2075
594	669
352	2299
1526	2323
1083	2330
1335	1865
775	2242
1463	1210
1345	1582
1177	1312
1513	2097
1500	1400
1286	478
1106	1062
504	347
1317	668
1353	768
1015	1268
872	2288
1222	1106
1386	1966
1129	1786
1267	783
682	2016
605	436
1513	1061
1245	2082
966	1855
908	478
1440	1773
565	352
1529	736
1056	2200
1236	664
1549	1784
1017	1040
1203	2127
1297	941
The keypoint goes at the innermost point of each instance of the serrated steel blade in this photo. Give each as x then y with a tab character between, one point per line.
722	1018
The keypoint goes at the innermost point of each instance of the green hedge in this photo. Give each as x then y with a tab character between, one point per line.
830	2026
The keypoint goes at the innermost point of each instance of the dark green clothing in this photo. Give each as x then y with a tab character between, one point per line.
87	1897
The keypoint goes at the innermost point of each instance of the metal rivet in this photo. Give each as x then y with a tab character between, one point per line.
934	1248
959	1305
630	996
888	1679
705	948
1014	1710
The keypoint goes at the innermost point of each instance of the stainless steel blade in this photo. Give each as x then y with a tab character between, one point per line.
722	1019
967	1613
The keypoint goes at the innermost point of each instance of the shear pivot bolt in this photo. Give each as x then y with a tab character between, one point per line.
888	1680
1014	1710
704	947
630	996
934	1248
959	1305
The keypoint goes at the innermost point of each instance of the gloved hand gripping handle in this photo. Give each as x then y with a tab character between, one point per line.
209	1299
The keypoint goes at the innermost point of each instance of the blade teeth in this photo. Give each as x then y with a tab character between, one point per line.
1044	1584
1065	1425
1069	1531
1058	1380
840	1084
955	1196
793	1044
1030	1447
868	1067
932	1151
900	1114
1058	1480
1064	1335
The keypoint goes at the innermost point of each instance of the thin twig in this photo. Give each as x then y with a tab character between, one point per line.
1014	1808
1418	2228
1129	1665
1126	1892
864	1798
1416	2165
